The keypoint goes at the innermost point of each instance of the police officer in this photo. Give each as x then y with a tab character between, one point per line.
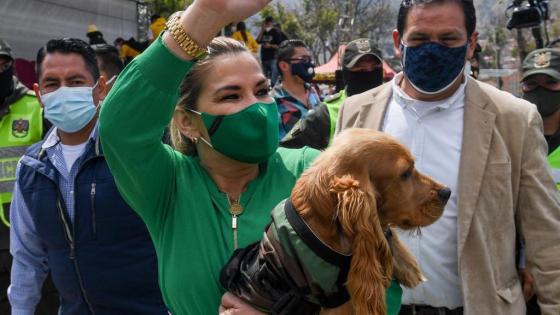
21	124
541	85
362	70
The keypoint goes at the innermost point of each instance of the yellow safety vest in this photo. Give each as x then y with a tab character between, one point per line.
20	128
554	161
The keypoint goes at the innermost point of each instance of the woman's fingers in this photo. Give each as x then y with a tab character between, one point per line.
232	305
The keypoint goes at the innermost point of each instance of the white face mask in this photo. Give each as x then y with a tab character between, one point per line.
70	108
268	28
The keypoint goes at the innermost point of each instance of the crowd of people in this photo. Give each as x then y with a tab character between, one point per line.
131	173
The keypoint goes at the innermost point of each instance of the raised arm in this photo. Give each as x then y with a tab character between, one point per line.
140	106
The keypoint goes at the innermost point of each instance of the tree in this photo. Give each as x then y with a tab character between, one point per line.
316	22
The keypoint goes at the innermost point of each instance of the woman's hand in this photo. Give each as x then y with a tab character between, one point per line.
232	305
205	18
229	11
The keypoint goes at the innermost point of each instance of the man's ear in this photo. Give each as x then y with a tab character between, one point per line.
284	66
472	45
38	94
102	90
397	43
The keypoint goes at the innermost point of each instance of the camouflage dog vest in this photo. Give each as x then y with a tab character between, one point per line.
290	271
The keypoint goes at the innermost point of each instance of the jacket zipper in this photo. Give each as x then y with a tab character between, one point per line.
93	216
70	238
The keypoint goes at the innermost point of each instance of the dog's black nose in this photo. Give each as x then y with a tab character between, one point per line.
444	194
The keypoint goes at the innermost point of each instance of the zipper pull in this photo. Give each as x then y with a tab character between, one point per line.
234	229
93	216
72	251
235	209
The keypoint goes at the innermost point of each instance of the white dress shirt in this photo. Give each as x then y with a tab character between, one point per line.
433	132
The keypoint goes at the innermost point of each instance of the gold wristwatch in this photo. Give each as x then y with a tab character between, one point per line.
183	39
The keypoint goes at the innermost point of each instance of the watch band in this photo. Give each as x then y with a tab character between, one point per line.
189	46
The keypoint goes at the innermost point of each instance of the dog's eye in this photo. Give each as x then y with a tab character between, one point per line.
406	175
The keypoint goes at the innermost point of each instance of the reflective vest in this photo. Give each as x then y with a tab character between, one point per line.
19	129
333	103
554	161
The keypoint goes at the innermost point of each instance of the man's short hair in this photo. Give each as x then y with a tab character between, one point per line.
69	46
287	49
269	19
466	5
109	60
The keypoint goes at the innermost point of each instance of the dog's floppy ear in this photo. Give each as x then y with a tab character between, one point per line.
371	264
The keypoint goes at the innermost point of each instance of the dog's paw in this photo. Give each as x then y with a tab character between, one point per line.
409	276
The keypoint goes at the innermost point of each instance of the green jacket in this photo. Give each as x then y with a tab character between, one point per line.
554	161
21	125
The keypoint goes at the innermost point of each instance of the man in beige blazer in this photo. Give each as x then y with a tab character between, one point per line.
487	145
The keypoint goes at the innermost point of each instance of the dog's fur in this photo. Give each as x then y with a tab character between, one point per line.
358	188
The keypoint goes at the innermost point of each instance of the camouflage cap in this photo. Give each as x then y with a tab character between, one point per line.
542	61
358	48
5	49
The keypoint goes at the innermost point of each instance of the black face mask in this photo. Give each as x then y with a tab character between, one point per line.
304	70
358	82
6	83
547	101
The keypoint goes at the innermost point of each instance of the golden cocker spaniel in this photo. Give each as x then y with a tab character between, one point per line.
349	199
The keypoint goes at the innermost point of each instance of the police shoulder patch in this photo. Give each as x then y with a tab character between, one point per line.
20	128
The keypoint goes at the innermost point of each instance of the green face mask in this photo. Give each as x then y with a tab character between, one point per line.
547	101
249	136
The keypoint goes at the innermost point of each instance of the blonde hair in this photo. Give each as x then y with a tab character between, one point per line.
192	85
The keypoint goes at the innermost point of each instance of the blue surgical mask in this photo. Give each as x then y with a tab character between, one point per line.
431	68
304	70
70	108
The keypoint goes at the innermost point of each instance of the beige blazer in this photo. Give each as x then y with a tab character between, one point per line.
505	184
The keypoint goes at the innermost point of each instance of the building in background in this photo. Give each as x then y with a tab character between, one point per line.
29	24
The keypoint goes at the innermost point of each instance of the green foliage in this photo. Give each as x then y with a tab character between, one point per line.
316	22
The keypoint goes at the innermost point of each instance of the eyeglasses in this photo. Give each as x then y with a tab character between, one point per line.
301	60
6	66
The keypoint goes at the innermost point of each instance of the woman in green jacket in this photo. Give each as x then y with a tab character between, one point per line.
215	191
